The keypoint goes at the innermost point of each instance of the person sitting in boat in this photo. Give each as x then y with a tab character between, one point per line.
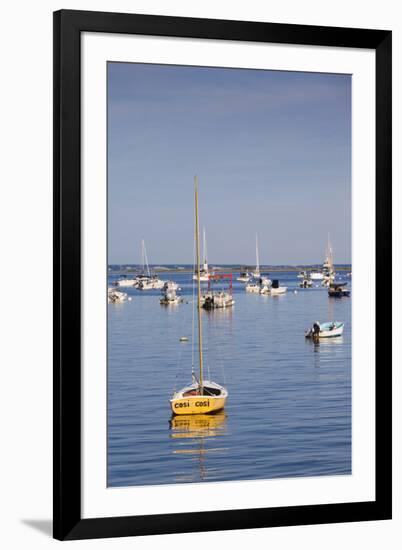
316	330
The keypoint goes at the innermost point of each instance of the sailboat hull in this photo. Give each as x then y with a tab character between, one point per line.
188	400
201	404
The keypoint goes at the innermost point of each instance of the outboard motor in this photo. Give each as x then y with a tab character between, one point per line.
275	283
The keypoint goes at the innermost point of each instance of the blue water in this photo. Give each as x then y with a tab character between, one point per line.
288	413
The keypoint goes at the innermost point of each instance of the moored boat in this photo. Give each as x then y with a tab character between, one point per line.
116	296
274	289
245	275
253	286
150	283
170	285
330	329
338	290
125	281
147	280
170	298
306	283
201	396
218	299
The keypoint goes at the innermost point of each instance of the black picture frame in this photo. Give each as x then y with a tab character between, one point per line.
68	26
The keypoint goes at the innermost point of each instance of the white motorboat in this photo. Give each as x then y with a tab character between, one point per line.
170	285
170	298
257	284
279	290
325	330
253	287
218	300
244	276
116	296
273	289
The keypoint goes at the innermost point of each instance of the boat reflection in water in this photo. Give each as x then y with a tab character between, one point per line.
194	439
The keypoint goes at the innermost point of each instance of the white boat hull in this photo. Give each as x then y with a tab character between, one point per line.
253	288
331	333
151	285
218	301
203	278
188	400
327	330
316	276
115	296
126	282
274	291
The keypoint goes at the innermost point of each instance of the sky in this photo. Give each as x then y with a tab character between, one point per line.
271	149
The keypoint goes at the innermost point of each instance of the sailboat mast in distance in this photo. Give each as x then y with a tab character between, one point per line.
197	246
257	270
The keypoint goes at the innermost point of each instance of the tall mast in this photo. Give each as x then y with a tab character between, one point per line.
256	254
204	246
197	246
330	258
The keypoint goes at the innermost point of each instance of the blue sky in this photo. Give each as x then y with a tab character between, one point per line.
272	151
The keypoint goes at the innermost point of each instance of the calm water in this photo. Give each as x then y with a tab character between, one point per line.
289	408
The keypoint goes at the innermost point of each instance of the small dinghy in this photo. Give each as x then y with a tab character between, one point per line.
325	330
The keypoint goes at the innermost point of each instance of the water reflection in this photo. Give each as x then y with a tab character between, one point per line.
324	344
194	436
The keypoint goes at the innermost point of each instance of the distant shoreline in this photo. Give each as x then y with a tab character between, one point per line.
118	269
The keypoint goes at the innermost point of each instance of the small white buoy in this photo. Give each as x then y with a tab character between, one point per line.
295	291
129	298
183	339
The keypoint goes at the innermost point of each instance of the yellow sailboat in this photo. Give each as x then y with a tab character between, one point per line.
201	396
